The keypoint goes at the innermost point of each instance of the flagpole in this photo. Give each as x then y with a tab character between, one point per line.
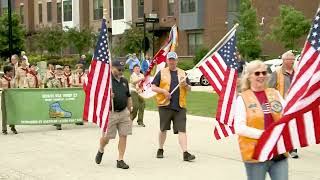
214	48
209	53
105	14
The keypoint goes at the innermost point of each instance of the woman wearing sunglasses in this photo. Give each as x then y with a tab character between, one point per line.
257	108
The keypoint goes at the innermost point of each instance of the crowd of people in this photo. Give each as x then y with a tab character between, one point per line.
259	103
19	73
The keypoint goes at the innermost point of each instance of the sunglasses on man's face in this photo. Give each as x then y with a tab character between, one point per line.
257	73
120	70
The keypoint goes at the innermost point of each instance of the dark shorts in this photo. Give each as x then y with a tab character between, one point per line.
178	118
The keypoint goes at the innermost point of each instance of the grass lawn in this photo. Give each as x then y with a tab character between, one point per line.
198	103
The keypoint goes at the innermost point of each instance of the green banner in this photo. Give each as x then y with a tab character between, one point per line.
43	106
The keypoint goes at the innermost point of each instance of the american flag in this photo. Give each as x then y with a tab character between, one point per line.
98	84
300	124
160	60
220	69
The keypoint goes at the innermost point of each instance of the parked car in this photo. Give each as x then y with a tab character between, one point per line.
273	64
196	77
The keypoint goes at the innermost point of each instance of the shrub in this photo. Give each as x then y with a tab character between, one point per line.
185	64
200	53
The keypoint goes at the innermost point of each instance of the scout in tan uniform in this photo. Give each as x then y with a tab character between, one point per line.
21	74
67	75
5	83
57	81
49	73
14	63
33	78
79	76
78	80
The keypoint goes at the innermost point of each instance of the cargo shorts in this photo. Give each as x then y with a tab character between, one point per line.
178	118
121	122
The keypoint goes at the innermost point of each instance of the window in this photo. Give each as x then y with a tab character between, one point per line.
233	11
67	10
188	6
40	12
21	13
170	7
118	11
4	6
49	11
59	12
194	41
233	5
140	8
97	9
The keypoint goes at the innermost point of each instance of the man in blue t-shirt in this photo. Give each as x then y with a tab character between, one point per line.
172	104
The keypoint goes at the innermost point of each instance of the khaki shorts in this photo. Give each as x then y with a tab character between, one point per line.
121	122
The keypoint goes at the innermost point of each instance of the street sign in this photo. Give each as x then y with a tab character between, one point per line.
152	20
153	16
139	24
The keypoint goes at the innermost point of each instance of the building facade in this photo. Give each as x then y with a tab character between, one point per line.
200	22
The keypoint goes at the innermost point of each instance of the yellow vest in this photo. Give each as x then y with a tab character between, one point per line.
165	83
280	82
255	119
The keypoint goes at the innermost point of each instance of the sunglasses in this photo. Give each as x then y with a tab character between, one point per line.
257	73
120	70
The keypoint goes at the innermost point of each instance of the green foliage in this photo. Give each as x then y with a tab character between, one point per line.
200	53
131	41
82	39
289	27
198	103
18	35
185	64
248	43
51	39
65	60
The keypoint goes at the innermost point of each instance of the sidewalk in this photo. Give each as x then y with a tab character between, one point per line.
41	152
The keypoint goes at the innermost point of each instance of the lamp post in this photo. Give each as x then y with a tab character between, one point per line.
10	27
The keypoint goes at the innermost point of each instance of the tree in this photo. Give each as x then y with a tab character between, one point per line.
51	39
200	53
131	41
18	35
82	39
289	27
248	43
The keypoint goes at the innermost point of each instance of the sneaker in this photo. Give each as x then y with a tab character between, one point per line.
160	153
294	155
121	164
13	129
188	157
99	157
58	126
4	132
141	124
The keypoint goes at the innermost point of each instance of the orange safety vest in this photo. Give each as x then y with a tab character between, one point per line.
280	82
165	83
255	119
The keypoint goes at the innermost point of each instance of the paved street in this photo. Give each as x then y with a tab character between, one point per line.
41	152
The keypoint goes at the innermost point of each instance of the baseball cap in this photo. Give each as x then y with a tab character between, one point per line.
118	64
172	55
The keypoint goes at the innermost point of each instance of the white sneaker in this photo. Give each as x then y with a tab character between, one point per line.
294	155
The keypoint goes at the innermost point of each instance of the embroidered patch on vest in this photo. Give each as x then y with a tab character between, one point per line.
252	105
276	106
